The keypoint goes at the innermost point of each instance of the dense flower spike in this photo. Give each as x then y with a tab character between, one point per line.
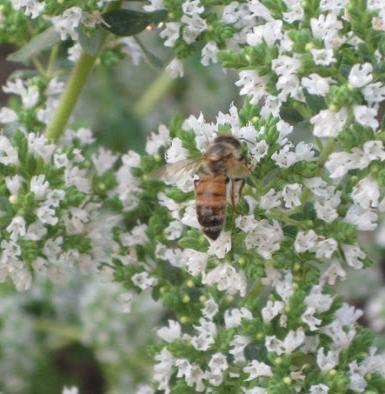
254	311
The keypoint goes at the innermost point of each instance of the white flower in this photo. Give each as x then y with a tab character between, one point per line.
308	318
366	116
103	160
173	230
233	317
70	390
326	28
163	369
206	333
293	340
157	140
320	302
143	280
328	123
154	6
13	184
227	279
192	374
374	93
325	248
327	361
319	388
210	308
366	193
16	228
360	75
252	84
67	23
170	33
305	241
32	8
191	7
256	369
263	236
254	390
170	333
39	146
209	53
29	94
218	363
194	261
74	52
194	26
348	315
7	115
270	32
175	68
221	246
332	273
354	256
238	344
271	310
259	151
316	84
291	194
39	186
176	152
374	150
8	154
323	57
365	220
46	215
271	199
295	11
326	211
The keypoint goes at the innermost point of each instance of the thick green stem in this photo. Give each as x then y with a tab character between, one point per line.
76	81
75	84
153	94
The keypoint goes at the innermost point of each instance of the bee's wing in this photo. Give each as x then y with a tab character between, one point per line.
237	168
173	172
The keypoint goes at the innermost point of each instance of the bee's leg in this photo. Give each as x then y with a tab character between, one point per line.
232	195
241	183
241	186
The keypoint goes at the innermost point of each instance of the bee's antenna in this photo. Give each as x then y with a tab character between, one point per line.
245	139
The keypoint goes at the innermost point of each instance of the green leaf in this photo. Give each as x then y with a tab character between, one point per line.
39	43
194	239
90	41
130	22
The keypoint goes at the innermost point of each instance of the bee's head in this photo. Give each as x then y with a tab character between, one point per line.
228	139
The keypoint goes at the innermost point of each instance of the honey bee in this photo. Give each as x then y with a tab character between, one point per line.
219	170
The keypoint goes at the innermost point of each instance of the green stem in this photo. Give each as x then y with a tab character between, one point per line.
77	80
60	329
39	67
75	84
52	60
153	94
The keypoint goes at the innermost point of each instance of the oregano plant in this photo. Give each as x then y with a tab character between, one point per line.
256	311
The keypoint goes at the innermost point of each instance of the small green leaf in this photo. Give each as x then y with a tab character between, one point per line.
90	41
39	43
130	22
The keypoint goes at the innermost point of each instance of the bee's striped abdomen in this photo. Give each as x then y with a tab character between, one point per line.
210	194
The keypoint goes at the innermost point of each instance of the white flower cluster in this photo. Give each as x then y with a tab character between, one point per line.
52	218
221	265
